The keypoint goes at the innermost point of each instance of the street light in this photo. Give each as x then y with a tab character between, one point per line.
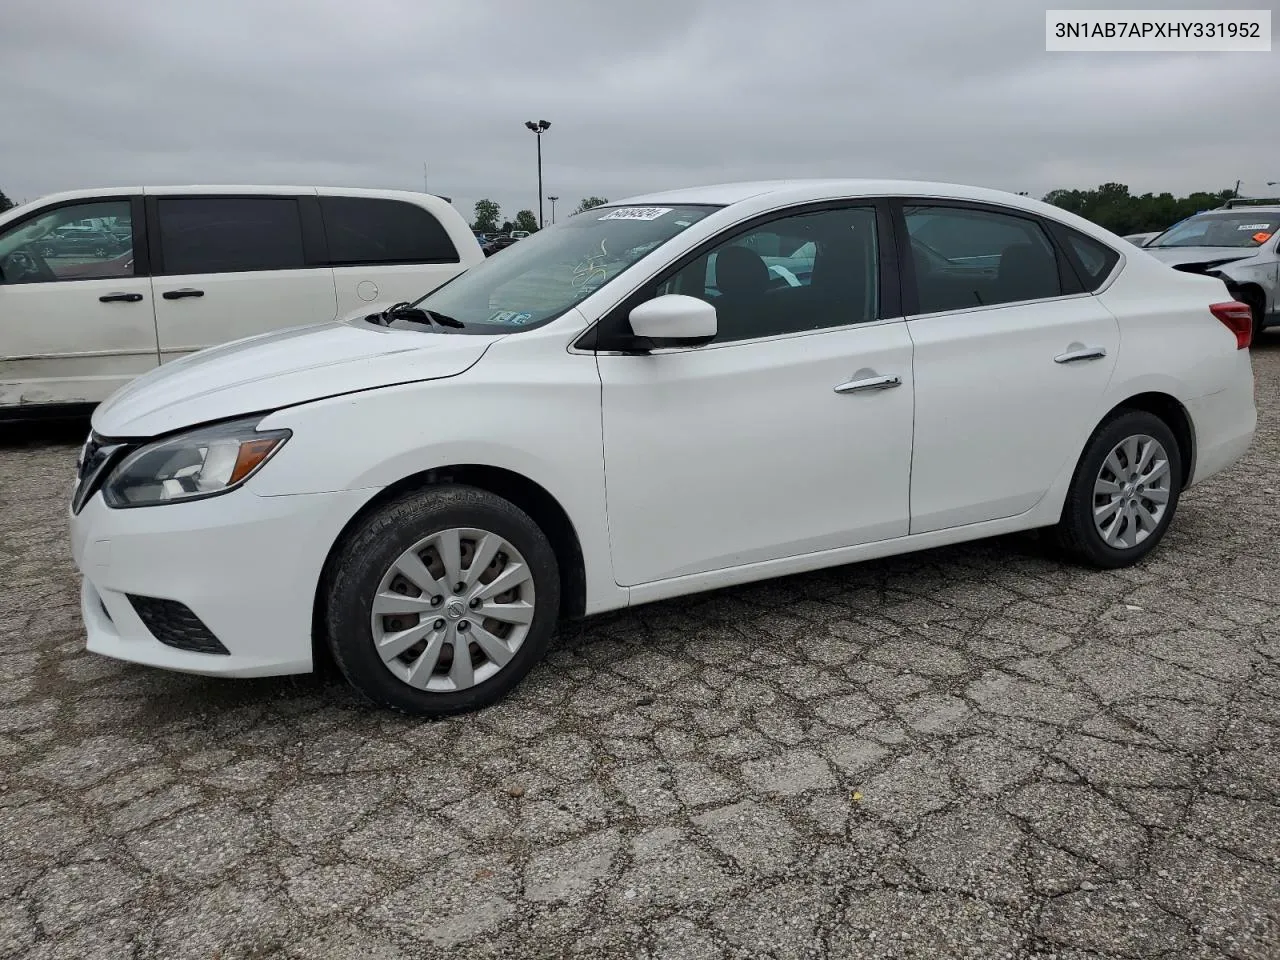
553	209
538	126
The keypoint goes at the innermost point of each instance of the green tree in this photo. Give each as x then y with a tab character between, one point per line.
5	202
1112	206
590	202
487	214
525	220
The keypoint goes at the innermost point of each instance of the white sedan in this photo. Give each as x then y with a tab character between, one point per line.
633	405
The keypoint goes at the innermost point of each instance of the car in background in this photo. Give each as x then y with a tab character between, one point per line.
496	242
633	406
1141	239
1238	244
520	234
71	242
86	305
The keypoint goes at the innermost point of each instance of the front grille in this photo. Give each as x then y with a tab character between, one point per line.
174	625
96	458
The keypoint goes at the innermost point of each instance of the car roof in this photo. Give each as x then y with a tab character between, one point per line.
242	188
798	191
1245	208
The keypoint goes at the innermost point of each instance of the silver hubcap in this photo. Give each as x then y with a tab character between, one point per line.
453	610
1131	493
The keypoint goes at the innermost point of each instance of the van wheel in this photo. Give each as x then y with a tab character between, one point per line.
1124	492
442	601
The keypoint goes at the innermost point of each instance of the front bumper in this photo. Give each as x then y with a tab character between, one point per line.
247	566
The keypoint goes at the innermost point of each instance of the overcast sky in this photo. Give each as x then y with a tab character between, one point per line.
640	95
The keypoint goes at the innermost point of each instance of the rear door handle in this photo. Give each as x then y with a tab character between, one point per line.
120	297
868	383
1082	353
182	294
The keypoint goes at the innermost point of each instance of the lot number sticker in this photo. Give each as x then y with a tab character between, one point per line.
636	213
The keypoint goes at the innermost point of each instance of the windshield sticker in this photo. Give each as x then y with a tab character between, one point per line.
1260	237
510	316
636	213
1254	226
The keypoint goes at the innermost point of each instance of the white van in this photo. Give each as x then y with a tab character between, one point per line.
83	311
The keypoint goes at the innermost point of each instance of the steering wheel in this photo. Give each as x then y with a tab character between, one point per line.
26	266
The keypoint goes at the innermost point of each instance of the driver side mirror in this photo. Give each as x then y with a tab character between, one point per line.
674	319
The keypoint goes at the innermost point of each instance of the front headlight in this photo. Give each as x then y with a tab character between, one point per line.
203	463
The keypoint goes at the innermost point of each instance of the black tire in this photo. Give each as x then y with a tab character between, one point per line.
1076	533
368	552
1257	307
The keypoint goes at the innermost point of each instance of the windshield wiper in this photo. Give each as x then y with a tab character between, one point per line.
406	311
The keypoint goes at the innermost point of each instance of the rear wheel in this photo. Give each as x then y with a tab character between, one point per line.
1124	492
441	602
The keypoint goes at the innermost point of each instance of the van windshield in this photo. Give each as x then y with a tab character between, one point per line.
536	280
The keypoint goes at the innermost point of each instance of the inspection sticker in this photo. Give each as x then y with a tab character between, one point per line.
636	213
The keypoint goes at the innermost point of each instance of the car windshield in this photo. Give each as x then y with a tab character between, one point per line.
1242	228
536	280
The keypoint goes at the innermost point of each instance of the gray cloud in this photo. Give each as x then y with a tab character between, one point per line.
641	97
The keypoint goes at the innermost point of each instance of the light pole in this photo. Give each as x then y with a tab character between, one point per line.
553	209
538	126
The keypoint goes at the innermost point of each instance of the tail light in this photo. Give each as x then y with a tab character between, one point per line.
1236	317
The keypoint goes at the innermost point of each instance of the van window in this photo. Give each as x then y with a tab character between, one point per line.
229	234
364	230
83	241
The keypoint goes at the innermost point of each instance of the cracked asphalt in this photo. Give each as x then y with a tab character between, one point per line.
975	752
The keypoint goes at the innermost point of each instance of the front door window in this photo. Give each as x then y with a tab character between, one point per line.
86	241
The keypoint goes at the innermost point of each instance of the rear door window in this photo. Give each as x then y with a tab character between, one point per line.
229	234
372	230
973	257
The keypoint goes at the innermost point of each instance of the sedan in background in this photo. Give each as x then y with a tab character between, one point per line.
666	395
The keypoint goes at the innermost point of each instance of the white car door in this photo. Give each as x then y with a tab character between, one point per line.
76	315
1011	362
790	433
386	249
231	266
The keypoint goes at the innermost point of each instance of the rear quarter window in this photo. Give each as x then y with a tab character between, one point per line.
1094	259
370	230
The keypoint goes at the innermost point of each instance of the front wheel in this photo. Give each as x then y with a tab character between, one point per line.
1124	492
442	601
1257	307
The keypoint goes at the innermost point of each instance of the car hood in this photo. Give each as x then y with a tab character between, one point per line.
1204	256
280	369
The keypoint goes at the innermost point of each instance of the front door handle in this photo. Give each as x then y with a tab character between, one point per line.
1081	353
868	383
182	294
120	297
